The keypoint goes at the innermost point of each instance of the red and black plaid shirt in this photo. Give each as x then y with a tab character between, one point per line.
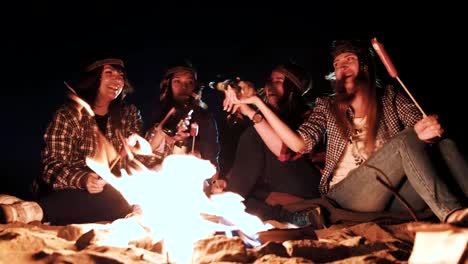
71	137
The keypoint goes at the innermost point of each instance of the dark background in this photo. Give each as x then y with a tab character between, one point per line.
43	42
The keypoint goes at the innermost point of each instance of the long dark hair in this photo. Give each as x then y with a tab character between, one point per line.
291	107
87	87
166	98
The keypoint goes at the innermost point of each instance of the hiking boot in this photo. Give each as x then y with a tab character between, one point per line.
21	211
312	217
8	199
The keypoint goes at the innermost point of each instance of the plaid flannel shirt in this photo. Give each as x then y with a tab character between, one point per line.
399	112
71	137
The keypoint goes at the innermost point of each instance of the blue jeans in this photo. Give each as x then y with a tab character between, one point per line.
405	158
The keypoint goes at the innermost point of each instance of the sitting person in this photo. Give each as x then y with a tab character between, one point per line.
68	190
179	101
230	126
257	174
375	135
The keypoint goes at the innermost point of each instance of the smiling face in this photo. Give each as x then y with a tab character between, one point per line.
112	83
275	91
346	67
182	85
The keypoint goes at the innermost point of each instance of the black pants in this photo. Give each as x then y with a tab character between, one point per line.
78	206
256	172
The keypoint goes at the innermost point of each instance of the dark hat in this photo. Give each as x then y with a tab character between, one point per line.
297	75
185	66
361	48
87	64
180	69
95	57
99	63
85	77
180	65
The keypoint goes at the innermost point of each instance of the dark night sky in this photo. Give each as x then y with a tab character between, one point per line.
43	41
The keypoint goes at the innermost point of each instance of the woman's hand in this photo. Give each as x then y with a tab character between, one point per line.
245	110
157	140
138	145
93	183
428	128
230	99
181	134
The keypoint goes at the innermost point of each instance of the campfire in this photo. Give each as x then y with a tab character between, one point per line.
175	208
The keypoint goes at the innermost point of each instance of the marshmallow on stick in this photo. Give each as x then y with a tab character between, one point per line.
193	133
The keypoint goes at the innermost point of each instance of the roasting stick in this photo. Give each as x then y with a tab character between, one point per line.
379	48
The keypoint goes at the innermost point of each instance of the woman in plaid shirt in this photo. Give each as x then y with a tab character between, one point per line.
372	132
74	193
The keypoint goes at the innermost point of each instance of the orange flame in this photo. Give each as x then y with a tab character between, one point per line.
173	203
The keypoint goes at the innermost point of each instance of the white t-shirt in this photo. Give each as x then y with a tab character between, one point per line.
354	153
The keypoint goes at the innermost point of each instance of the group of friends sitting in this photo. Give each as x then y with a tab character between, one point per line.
363	152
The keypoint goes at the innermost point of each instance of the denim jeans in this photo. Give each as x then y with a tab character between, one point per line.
456	163
405	157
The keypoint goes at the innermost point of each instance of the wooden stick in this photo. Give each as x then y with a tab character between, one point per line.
193	144
412	98
399	197
111	166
